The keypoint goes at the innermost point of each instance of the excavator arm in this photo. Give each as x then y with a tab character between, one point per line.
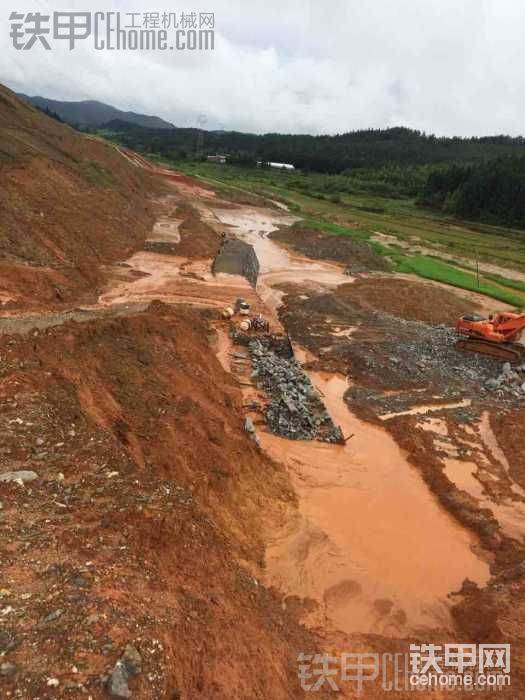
509	325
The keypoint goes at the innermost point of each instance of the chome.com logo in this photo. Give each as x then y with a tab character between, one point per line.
453	667
115	31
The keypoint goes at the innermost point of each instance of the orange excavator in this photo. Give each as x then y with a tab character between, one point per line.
494	336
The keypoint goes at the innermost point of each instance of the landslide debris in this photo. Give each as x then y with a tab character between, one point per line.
395	338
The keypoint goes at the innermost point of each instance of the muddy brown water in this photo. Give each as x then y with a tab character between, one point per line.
369	543
509	512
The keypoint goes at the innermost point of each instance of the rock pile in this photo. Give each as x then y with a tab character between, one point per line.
511	380
296	410
279	344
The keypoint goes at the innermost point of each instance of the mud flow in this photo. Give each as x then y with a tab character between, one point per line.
370	548
386	536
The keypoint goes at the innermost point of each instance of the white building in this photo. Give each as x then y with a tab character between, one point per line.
279	166
282	166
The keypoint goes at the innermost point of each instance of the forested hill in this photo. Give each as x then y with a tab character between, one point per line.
91	113
372	148
493	192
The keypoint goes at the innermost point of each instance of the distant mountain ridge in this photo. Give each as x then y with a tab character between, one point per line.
94	113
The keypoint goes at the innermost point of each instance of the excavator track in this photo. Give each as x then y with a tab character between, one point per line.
499	351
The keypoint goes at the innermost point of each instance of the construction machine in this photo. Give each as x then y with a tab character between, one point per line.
494	336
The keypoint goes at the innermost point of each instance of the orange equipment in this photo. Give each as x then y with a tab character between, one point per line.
492	336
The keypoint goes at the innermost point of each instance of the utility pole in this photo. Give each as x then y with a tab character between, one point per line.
201	121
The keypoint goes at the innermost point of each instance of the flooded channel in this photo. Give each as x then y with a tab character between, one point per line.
371	546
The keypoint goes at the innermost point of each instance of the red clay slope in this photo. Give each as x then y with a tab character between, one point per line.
68	204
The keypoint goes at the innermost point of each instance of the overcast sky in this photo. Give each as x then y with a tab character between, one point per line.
452	67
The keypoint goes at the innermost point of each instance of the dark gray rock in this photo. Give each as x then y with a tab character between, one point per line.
129	664
237	258
118	682
132	660
492	384
296	410
7	669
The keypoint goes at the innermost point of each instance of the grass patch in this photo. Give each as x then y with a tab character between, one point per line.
337	229
94	173
505	281
430	268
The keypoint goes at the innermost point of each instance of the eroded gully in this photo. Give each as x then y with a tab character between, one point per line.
370	545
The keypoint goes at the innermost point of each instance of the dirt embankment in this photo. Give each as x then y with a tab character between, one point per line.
356	255
147	496
508	428
410	300
68	204
197	238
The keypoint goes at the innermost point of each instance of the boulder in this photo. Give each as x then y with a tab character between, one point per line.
20	476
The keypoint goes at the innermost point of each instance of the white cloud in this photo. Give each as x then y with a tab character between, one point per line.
302	66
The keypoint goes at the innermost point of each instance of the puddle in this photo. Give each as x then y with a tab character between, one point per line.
462	475
176	280
368	531
510	515
416	410
490	441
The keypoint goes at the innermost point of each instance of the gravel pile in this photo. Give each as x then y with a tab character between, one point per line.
511	380
431	350
436	353
420	352
296	410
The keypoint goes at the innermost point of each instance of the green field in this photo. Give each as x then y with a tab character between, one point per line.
363	215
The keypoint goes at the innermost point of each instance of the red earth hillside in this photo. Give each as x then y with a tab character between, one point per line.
68	203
